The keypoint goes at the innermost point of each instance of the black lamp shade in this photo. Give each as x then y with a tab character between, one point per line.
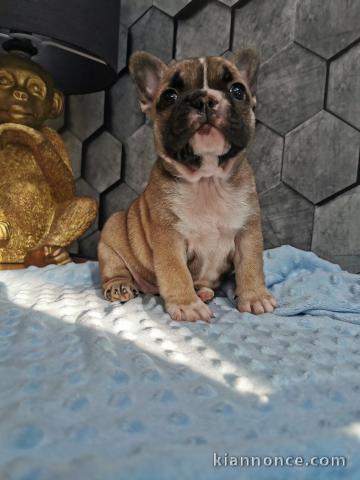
83	56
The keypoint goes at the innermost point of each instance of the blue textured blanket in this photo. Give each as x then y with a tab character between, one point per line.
97	391
304	283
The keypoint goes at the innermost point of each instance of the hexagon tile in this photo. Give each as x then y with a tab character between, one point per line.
123	44
306	148
291	88
321	157
86	114
103	162
265	157
125	115
140	154
118	198
88	245
132	10
144	34
287	218
171	7
344	86
206	32
56	123
326	27
266	26
337	230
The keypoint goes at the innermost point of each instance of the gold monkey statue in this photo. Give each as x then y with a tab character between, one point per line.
39	212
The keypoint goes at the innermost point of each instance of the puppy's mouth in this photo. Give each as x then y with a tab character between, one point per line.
205	142
209	134
208	139
205	129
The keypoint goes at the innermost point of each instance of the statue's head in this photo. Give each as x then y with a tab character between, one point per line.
27	92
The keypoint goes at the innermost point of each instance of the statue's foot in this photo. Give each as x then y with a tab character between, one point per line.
47	255
4	233
57	255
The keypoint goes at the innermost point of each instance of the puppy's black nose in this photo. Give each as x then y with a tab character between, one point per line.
203	103
198	103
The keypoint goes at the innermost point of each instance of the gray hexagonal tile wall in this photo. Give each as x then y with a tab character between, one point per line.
131	10
145	34
73	249
291	88
56	123
118	198
266	26
206	32
321	157
287	218
265	157
327	27
344	86
123	45
141	155
337	230
310	62
88	245
171	7
103	162
85	114
125	115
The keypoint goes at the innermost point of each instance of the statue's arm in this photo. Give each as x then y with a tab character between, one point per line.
58	144
50	156
4	229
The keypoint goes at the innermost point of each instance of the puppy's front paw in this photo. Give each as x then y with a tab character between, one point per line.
121	291
191	312
256	301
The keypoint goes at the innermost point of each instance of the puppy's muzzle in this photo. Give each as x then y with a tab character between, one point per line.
205	105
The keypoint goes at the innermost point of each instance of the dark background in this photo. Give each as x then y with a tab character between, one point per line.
306	151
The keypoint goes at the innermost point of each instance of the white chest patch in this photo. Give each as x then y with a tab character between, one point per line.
210	213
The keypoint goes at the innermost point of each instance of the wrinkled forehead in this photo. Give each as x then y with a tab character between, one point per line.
200	73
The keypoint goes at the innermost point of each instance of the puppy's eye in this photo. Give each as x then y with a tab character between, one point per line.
170	95
238	91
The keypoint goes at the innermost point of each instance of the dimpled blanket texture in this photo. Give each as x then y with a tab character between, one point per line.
98	391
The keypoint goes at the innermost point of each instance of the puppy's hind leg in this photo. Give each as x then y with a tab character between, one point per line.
205	293
117	282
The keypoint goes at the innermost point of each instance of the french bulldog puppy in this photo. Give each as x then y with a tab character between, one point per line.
199	216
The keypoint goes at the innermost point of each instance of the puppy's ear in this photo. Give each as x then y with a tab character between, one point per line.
247	62
146	70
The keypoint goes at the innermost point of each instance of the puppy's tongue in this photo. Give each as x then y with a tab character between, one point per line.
205	129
